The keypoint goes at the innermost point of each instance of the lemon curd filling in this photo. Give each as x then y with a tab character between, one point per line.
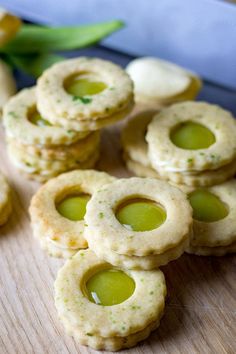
73	207
206	206
79	86
109	287
36	119
192	136
141	215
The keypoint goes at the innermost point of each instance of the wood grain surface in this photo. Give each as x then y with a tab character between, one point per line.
200	314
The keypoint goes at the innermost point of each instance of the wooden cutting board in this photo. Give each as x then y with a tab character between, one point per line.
200	314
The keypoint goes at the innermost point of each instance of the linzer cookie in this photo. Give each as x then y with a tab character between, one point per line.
144	218
214	215
39	150
193	143
57	210
105	307
84	94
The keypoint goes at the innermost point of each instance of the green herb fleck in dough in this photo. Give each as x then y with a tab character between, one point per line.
89	334
13	114
190	160
101	215
84	100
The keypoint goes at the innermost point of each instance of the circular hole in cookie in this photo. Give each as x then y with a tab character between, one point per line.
140	214
73	206
108	287
84	84
192	136
35	118
207	207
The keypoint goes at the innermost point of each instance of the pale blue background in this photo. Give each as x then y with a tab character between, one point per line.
198	34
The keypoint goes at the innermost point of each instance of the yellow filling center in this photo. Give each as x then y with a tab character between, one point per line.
109	287
141	215
192	136
80	87
73	207
207	206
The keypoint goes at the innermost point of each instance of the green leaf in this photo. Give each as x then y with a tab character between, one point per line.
84	100
34	64
35	39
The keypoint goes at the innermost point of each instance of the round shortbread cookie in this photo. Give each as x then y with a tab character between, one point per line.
7	86
79	150
164	154
221	233
200	179
18	126
133	137
212	251
104	226
90	111
109	343
160	82
45	218
143	308
137	262
5	200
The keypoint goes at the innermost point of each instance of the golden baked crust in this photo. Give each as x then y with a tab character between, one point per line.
45	218
104	226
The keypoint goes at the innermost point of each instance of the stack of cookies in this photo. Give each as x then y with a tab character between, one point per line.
214	215
138	223
190	143
5	200
54	127
158	83
132	226
108	308
193	143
